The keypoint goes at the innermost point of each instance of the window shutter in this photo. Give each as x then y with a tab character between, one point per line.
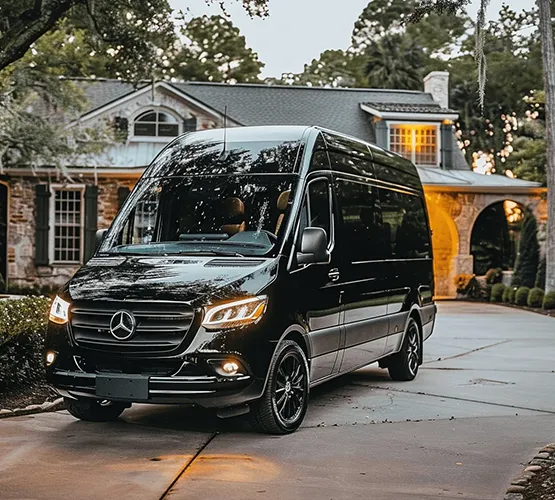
190	124
123	193
446	146
381	134
91	221
42	208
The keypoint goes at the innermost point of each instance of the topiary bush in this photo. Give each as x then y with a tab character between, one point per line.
535	297
528	254
22	330
512	294
494	276
505	296
497	291
549	301
540	275
521	296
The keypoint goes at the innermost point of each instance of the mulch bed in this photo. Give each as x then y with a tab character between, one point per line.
541	486
537	480
34	395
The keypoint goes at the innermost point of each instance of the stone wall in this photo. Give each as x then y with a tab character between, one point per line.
22	271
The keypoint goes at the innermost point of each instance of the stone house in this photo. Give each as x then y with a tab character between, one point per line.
48	224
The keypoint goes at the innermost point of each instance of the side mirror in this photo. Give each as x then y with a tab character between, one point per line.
314	247
99	237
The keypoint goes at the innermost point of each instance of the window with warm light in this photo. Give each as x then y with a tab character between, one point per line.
417	143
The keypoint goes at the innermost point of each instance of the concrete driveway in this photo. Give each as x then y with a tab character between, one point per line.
482	404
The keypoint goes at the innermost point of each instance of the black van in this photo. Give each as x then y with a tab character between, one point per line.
246	266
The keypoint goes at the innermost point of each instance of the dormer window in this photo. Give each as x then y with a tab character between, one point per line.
156	124
417	143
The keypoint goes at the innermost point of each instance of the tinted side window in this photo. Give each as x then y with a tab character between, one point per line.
351	164
405	226
316	211
362	232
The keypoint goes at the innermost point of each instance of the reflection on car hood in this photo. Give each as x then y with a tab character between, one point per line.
198	280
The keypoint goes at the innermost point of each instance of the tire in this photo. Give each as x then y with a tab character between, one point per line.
93	410
403	366
282	407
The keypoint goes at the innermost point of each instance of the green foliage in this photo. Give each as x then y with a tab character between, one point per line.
22	329
535	297
549	301
215	51
494	276
521	296
540	275
497	292
528	255
512	294
505	296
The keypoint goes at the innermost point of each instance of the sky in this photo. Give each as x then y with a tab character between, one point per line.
297	31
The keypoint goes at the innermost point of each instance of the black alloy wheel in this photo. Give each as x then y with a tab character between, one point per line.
284	403
403	366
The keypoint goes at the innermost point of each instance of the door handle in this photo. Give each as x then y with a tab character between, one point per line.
333	274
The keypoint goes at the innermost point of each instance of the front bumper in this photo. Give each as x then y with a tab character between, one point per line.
207	391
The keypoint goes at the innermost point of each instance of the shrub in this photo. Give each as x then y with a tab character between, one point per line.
22	330
521	296
494	276
505	296
549	301
497	291
468	285
540	275
535	297
512	294
528	254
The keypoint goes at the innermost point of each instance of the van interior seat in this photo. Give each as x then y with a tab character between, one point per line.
282	201
234	216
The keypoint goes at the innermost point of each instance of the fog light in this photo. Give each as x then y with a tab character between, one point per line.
230	367
50	358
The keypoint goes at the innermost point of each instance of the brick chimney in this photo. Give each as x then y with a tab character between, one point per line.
437	84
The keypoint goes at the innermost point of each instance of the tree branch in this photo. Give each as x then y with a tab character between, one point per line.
30	26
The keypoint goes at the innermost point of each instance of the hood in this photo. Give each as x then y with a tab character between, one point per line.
197	280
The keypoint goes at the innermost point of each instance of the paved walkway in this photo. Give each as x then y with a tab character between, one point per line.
481	406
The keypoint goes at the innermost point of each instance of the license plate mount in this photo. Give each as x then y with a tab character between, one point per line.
115	386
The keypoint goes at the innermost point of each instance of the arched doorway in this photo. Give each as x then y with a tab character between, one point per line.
445	243
495	236
3	233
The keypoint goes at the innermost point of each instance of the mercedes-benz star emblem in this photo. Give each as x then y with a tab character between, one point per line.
122	325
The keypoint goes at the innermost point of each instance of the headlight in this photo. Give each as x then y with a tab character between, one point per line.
236	313
59	312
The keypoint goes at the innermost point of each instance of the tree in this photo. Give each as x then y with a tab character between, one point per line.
132	28
215	51
457	7
528	257
393	62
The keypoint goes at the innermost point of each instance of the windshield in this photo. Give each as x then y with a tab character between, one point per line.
212	215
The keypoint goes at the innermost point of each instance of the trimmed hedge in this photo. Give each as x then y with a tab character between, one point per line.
549	301
22	330
505	296
512	294
497	292
521	296
535	297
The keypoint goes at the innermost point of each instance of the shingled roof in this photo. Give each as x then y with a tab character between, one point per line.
395	107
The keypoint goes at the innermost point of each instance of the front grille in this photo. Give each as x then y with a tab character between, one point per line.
160	326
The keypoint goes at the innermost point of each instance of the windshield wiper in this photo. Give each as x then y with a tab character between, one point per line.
209	252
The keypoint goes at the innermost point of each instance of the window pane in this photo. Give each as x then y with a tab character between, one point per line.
147	117
400	141
165	118
425	146
405	225
148	129
319	203
363	238
67	225
168	130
